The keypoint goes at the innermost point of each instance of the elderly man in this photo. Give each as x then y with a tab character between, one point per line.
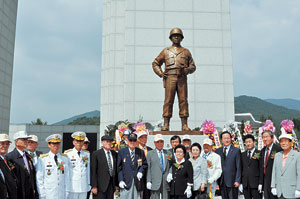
266	164
79	175
8	184
231	167
213	165
131	167
158	169
53	171
286	170
142	141
25	170
104	170
32	144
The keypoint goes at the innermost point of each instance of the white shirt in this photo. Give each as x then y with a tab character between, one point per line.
252	151
227	150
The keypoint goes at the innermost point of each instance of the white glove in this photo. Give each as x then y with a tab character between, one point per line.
122	185
259	188
210	180
139	176
241	188
274	191
297	194
169	177
149	185
188	192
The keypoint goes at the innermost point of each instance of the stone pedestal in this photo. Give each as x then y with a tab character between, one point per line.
196	136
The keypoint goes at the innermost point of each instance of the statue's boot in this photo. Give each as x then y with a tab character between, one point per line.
166	124
184	126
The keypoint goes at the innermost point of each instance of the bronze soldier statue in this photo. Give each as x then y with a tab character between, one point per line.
178	64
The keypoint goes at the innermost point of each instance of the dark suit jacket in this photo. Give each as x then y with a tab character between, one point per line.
181	177
38	153
3	188
127	170
231	167
250	168
27	181
100	176
10	179
265	179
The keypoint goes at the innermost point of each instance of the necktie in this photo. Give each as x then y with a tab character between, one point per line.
162	162
205	155
225	149
5	162
2	175
26	162
109	163
78	153
132	157
266	160
55	159
249	154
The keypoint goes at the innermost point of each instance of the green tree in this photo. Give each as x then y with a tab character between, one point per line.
38	122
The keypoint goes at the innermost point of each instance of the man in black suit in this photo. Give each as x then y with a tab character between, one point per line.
250	168
25	170
8	182
142	141
231	167
175	141
266	164
103	170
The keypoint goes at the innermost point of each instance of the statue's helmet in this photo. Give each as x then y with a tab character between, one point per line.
176	31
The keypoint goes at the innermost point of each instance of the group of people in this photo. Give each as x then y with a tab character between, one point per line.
187	170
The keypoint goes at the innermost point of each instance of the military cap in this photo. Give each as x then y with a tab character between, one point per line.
78	135
54	138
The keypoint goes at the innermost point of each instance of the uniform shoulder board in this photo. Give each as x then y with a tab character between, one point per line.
86	151
67	151
44	155
62	154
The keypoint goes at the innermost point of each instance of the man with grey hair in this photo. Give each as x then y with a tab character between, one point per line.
25	170
158	169
32	144
286	169
267	155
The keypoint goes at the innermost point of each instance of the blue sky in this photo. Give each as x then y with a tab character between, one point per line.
58	55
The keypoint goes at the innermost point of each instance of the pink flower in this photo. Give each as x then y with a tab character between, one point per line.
208	127
288	125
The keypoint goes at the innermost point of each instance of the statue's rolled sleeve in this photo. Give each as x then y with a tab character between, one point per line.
157	63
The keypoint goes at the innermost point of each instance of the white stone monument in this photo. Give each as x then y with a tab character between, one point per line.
8	15
134	33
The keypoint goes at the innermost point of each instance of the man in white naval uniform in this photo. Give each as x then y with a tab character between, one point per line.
79	176
214	166
52	171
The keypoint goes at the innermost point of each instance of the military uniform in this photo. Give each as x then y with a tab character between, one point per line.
79	176
52	179
178	64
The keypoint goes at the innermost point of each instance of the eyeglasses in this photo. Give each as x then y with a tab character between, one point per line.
86	142
4	143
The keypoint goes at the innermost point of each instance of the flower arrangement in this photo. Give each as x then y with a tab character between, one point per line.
140	127
169	157
61	167
287	126
178	166
85	159
209	164
256	156
269	126
248	128
233	129
273	154
208	127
